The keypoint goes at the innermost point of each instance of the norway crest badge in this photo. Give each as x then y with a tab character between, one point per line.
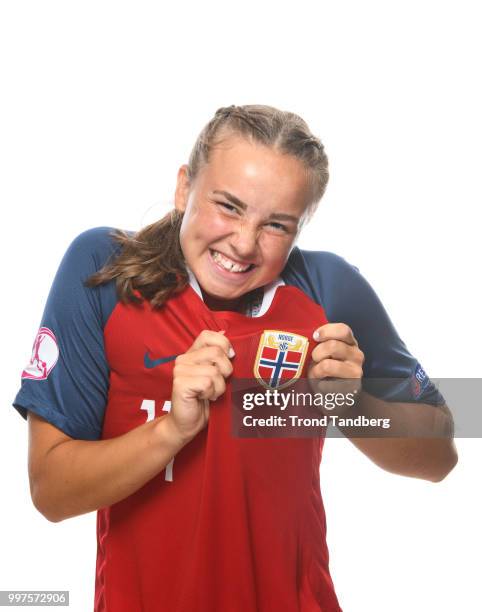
280	358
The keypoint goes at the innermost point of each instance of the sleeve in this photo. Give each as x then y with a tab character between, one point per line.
390	371
66	380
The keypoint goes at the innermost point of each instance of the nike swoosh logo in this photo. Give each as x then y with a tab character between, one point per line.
152	363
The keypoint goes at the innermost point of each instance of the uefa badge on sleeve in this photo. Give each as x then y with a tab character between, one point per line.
280	358
45	353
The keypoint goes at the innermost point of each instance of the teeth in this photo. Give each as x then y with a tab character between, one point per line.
227	264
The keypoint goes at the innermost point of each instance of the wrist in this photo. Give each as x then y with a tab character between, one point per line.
168	434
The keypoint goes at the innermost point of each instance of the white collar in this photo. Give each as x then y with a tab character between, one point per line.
255	310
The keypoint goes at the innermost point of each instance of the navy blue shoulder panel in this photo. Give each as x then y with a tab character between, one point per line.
67	378
347	297
99	243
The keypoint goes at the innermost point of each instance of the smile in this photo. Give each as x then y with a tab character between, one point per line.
228	264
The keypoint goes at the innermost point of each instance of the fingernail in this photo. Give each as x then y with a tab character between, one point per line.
316	335
231	352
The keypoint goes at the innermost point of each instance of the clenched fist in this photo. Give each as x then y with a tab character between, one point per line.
337	361
199	377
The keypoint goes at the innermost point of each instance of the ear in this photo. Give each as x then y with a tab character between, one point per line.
182	189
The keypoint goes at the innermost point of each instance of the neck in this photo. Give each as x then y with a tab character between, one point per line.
237	305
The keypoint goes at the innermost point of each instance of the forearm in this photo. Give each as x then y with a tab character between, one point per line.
425	447
426	458
80	476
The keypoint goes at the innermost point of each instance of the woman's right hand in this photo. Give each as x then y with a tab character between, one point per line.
199	377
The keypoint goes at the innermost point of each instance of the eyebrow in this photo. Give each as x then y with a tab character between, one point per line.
238	202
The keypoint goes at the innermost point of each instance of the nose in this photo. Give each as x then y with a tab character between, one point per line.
244	241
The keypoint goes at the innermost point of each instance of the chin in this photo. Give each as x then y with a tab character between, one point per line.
218	294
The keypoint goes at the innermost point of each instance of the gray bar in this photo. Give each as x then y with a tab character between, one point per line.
330	407
34	598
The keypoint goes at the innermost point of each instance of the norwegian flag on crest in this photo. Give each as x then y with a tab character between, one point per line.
280	358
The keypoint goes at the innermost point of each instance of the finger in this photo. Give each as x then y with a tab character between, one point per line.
219	387
215	390
187	369
345	390
335	331
331	349
211	338
207	355
199	387
191	387
335	368
336	349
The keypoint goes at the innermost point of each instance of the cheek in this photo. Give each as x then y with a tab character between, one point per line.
276	250
216	224
202	228
188	235
213	227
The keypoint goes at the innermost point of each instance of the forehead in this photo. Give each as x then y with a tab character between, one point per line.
256	173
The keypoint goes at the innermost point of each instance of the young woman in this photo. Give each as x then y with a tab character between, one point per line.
128	388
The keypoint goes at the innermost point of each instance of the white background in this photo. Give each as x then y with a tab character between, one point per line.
101	103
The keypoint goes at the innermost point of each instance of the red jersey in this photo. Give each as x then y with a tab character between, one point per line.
232	524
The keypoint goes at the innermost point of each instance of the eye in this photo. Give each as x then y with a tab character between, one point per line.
278	226
228	207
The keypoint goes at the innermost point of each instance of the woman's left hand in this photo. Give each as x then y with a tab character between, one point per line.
337	355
